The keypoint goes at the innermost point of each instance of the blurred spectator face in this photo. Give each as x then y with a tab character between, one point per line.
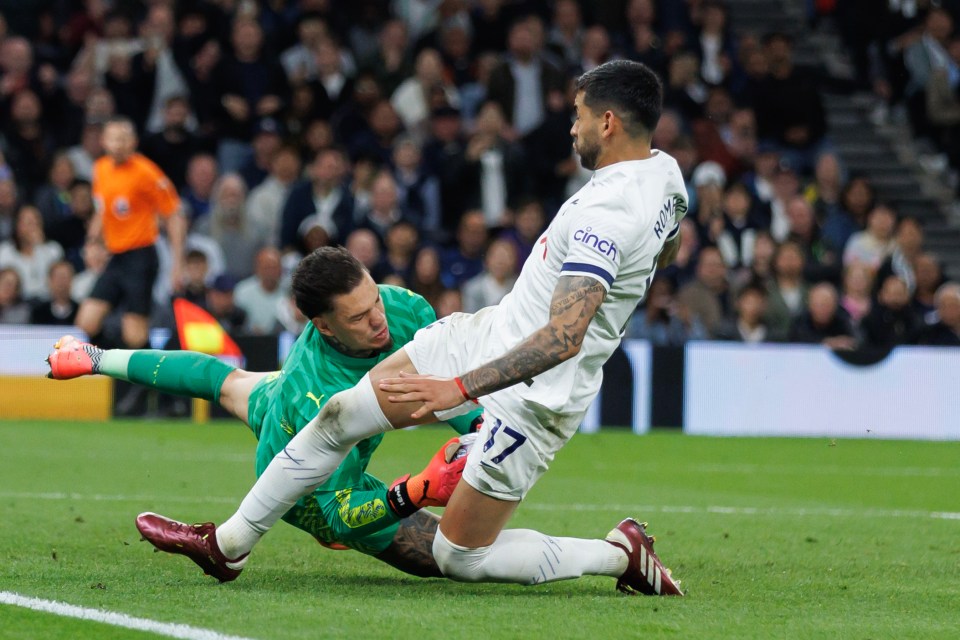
286	165
195	269
948	305
328	58
596	45
719	106
266	144
81	200
472	233
327	169
311	31
59	281
446	127
119	140
789	261
220	303
366	91
909	236
9	287
406	155
230	193
667	131
490	120
779	52
384	121
501	260
763	249
16	56
659	296
827	170
767	163
858	197
426	268
301	101
785	182
822	304
316	236
939	25
641	12
91	139
365	247
247	38
116	26
449	302
714	18
78	84
800	215
402	238
383	193
29	228
751	305
736	201
755	64
711	270
927	272
520	42
192	23
684	69
894	294
529	221
100	105
25	108
429	67
393	36
566	16
857	280
880	222
8	195
175	113
267	268
61	172
159	23
201	174
319	135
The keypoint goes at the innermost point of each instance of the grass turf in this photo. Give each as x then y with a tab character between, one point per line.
771	537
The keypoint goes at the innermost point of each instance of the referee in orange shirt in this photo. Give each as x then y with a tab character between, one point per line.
131	193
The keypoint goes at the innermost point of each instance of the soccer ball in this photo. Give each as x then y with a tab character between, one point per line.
463	447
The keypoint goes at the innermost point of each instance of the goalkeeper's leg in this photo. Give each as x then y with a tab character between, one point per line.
183	373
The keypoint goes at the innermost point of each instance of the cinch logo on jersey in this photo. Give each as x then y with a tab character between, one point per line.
604	246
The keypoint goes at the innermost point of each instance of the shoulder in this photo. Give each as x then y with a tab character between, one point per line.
401	298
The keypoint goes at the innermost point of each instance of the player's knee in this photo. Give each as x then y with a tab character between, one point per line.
459	563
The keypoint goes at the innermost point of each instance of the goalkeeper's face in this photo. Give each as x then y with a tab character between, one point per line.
358	321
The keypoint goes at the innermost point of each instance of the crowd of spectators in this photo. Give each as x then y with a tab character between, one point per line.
431	138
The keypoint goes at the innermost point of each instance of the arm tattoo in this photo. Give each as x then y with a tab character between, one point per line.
411	550
575	301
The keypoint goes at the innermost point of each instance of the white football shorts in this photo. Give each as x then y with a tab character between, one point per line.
519	438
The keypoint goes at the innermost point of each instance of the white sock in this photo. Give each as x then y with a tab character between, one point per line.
303	465
528	557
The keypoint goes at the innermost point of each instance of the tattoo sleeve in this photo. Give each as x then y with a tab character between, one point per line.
575	301
412	548
669	252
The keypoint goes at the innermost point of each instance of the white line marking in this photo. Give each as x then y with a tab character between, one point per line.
169	629
834	512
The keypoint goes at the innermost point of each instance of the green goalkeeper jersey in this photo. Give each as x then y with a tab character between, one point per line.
285	401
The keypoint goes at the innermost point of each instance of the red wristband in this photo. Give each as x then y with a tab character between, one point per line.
463	390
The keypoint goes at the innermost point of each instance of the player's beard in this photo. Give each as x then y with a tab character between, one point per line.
588	150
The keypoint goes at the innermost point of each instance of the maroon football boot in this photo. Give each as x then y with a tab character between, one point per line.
196	541
645	573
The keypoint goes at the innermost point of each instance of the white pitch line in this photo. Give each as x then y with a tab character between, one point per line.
835	512
168	629
752	511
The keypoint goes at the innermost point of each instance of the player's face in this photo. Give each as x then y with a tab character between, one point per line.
358	320
586	134
119	141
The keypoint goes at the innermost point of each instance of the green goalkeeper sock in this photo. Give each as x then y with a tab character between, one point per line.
183	373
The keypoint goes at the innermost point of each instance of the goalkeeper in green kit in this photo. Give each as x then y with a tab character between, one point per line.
354	325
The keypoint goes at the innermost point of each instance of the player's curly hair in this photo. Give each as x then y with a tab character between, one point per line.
630	89
324	274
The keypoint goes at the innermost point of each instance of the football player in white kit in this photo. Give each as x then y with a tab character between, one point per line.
534	362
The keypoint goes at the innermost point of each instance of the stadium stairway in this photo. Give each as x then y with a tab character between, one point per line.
882	149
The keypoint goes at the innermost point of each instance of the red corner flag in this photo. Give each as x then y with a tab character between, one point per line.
199	331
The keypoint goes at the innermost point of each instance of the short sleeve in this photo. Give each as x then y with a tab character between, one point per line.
595	242
679	211
162	192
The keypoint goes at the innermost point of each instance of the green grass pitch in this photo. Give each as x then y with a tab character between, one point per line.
773	538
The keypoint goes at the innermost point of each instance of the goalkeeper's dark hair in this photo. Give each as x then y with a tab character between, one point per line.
630	89
323	275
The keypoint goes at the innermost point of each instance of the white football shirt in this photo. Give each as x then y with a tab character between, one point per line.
613	231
